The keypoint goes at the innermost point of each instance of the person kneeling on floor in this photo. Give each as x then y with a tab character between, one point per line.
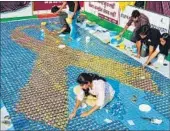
62	17
74	11
96	86
163	47
148	37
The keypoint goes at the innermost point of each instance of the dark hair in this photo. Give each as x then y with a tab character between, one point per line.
84	78
144	30
166	47
135	14
165	36
54	9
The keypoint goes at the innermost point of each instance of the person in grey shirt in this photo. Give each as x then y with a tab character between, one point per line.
62	18
139	19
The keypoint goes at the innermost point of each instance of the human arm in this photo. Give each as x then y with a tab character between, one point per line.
73	114
126	27
62	6
75	7
100	98
93	109
80	96
123	31
154	54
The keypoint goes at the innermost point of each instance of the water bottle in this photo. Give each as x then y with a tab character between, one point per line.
42	34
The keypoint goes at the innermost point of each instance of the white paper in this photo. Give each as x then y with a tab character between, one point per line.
62	35
107	120
131	122
61	46
156	121
144	108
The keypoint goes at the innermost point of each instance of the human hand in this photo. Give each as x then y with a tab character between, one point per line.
144	65
58	12
120	34
85	114
73	114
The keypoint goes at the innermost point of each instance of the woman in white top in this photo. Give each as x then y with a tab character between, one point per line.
92	84
162	48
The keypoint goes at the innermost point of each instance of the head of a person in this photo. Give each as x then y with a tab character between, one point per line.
165	37
135	15
143	31
85	80
54	9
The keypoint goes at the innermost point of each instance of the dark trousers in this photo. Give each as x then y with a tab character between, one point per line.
62	18
133	37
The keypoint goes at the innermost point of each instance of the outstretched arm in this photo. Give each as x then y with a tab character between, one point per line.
73	114
93	109
75	7
154	54
62	6
124	29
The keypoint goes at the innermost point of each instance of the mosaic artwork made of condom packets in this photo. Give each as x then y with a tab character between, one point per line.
44	97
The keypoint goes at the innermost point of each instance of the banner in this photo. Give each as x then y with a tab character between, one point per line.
157	21
45	5
105	10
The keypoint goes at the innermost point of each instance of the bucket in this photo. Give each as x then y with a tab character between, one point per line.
114	41
113	33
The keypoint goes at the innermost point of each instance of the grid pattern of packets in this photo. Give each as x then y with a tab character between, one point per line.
130	61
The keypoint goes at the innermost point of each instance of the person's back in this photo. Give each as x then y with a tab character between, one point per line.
154	37
62	18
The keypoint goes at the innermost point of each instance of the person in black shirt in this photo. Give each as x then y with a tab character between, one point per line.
62	17
163	47
74	6
148	36
74	9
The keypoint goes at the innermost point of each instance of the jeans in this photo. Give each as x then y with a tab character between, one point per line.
73	26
